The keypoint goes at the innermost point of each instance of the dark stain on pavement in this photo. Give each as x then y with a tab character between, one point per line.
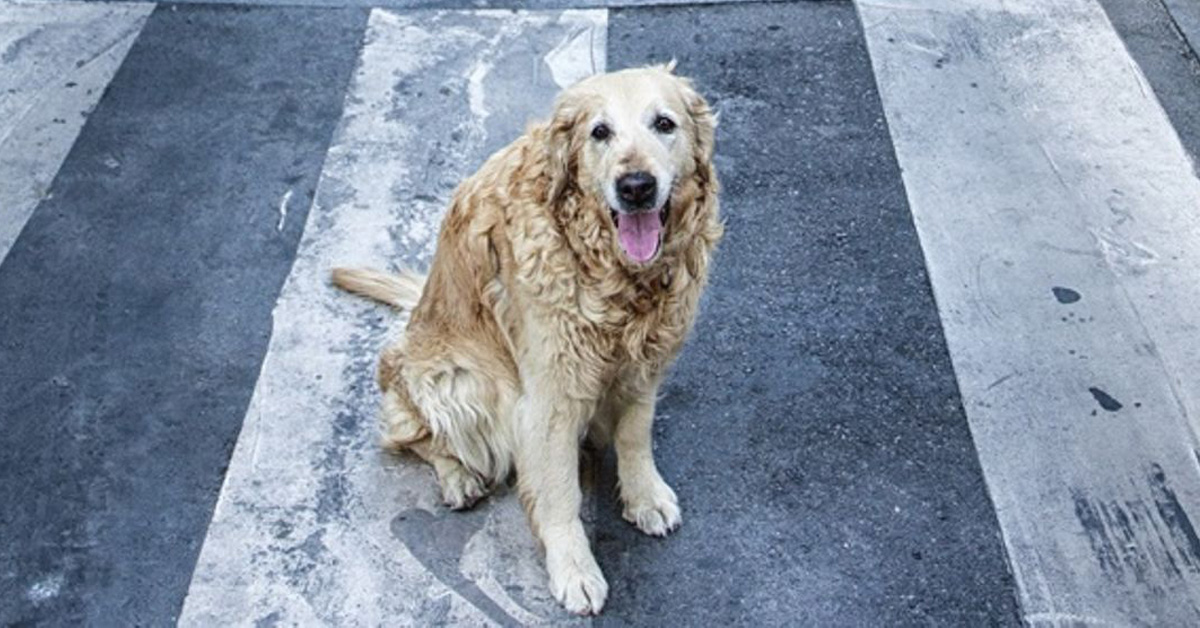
1105	400
1172	512
1143	539
1066	296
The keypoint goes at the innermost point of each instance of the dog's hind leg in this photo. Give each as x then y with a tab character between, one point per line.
461	487
403	429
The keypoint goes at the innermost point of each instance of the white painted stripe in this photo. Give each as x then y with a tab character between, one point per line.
55	61
1036	157
315	523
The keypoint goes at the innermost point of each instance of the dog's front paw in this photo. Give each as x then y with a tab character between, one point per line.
577	583
654	509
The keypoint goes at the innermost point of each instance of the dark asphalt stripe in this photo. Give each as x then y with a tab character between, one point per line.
136	305
812	428
1153	38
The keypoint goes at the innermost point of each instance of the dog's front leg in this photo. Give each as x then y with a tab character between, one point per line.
649	503
549	428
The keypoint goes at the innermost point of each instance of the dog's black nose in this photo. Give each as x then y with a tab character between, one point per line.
637	189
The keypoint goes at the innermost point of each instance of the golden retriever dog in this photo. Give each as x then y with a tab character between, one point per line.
567	275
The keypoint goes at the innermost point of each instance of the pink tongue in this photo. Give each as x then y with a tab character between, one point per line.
638	234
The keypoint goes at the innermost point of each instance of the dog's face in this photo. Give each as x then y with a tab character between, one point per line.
627	140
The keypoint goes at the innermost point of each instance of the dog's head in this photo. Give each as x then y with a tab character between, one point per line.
629	142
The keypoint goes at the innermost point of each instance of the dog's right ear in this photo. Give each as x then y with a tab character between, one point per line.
562	146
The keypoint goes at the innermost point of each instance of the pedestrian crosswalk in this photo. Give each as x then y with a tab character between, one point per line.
949	340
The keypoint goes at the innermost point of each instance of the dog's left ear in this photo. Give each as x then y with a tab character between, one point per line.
704	121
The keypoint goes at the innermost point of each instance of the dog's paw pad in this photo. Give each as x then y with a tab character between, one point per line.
581	590
462	489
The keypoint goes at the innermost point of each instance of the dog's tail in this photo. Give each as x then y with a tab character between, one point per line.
401	291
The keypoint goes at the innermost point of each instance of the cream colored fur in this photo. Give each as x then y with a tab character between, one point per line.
533	328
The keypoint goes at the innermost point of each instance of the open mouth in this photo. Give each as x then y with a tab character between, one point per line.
640	233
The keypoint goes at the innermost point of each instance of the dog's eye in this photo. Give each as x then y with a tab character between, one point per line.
663	124
601	132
